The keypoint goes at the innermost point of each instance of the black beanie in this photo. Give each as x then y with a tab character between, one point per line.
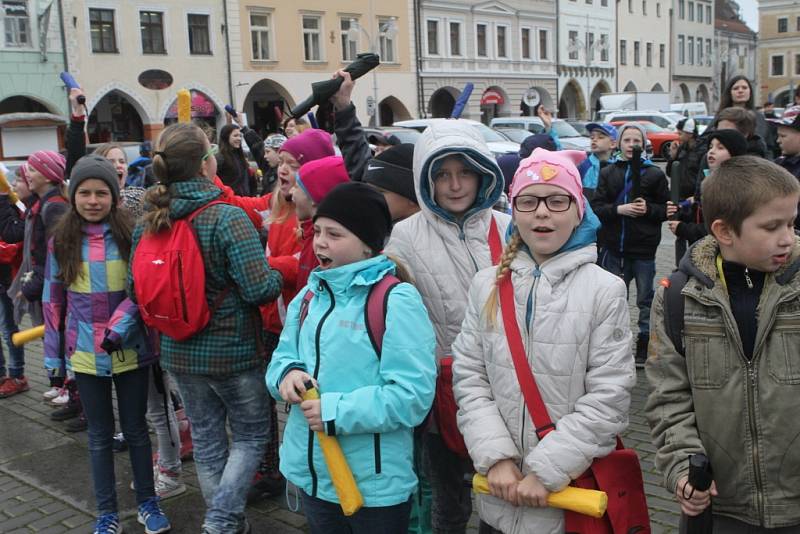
97	167
732	140
392	170
361	209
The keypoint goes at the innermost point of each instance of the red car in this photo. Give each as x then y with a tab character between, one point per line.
659	137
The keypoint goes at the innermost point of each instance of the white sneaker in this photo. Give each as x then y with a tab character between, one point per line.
169	484
51	393
62	399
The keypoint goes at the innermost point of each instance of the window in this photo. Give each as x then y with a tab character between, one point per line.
455	38
623	52
349	46
708	15
662	56
261	35
480	38
681	9
658	9
644	7
636	53
630	6
101	24
17	26
589	2
783	25
433	37
589	45
501	42
604	50
708	52
798	24
699	50
526	43
387	40
544	53
796	64
312	29
681	50
572	45
699	13
604	3
691	11
776	66
690	48
199	40
649	54
152	26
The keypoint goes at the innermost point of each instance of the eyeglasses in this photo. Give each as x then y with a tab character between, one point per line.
554	203
211	152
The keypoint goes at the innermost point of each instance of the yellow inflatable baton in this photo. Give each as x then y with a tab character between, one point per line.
6	188
350	498
20	338
583	501
184	105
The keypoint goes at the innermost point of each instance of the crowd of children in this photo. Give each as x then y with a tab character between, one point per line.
421	314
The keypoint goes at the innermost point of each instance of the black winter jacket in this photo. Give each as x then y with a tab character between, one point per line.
352	142
630	237
690	159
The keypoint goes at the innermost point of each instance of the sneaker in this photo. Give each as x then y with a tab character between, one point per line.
108	524
264	485
12	386
168	484
61	399
641	350
151	516
70	411
119	444
77	425
51	393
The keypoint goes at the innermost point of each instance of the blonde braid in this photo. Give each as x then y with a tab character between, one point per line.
503	269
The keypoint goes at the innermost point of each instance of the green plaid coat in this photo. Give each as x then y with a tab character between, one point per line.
233	257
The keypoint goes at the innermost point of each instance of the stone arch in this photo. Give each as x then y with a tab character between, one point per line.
267	104
24	103
391	110
116	116
572	102
600	88
199	87
629	87
686	96
494	103
442	101
657	87
702	95
131	95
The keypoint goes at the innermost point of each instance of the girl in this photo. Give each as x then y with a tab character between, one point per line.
232	166
574	321
219	370
10	258
739	93
371	402
84	295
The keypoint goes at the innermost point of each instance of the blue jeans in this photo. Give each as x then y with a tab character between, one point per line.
451	499
16	355
643	272
327	518
225	472
95	392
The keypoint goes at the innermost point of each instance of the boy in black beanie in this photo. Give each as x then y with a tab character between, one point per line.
391	172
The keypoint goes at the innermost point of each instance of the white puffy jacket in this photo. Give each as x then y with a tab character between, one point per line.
441	253
579	347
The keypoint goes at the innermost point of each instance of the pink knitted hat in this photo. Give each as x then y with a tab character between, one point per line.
50	164
308	146
552	168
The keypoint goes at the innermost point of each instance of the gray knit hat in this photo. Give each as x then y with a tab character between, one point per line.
637	126
97	167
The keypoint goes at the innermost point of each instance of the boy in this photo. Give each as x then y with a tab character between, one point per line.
391	172
604	142
789	140
728	387
631	230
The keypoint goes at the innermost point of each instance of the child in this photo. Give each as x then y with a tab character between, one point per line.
272	144
10	258
392	174
789	141
631	228
84	296
604	142
574	316
219	369
728	386
457	182
371	402
723	145
744	121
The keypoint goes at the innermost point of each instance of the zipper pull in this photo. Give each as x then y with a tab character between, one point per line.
747	278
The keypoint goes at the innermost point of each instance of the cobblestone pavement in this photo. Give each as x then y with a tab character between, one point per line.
45	483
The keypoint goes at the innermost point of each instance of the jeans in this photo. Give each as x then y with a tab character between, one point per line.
327	518
161	415
728	525
16	355
95	395
643	272
225	472
451	505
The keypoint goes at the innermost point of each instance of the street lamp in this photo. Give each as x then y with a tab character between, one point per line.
575	45
387	29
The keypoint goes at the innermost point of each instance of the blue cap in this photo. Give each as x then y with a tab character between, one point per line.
604	127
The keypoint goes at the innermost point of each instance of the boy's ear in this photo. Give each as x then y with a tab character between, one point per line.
722	232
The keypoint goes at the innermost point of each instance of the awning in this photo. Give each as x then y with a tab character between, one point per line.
492	97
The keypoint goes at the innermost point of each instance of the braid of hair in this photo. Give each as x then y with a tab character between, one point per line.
503	270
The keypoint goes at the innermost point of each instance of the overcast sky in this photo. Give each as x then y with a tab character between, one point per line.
749	13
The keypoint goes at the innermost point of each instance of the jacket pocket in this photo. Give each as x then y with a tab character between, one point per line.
708	358
783	362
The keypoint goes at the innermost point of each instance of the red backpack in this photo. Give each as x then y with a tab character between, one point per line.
170	280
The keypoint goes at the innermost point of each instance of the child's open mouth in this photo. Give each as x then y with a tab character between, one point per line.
543	230
324	261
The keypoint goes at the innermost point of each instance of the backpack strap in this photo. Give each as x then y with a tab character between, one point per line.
375	310
495	245
190	220
674	305
304	306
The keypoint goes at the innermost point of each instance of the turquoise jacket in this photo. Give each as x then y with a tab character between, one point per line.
371	404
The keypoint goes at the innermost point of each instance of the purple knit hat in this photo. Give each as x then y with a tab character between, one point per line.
310	145
51	164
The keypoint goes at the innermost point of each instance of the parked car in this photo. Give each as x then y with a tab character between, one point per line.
570	138
664	120
497	142
404	135
579	125
660	138
703	122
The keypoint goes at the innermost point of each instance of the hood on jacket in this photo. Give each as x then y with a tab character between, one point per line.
361	273
450	138
189	195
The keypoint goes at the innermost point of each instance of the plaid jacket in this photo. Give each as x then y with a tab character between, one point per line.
233	257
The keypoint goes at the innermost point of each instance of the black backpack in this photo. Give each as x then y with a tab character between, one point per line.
674	306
